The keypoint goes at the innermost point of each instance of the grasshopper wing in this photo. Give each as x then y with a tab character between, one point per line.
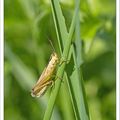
41	77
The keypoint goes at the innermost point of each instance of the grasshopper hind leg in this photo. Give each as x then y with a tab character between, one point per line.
42	89
50	84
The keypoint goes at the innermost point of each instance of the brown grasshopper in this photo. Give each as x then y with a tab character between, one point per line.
45	79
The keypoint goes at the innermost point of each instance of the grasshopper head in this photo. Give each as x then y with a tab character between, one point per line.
54	56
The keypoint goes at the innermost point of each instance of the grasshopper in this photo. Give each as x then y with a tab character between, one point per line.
45	79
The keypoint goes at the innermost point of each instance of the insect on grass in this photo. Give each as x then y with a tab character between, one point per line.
45	79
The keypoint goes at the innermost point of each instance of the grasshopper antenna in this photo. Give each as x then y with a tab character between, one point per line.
51	44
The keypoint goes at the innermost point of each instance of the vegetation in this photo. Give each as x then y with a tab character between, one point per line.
84	36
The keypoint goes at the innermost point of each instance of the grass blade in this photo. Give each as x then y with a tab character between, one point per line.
77	87
76	80
61	69
60	25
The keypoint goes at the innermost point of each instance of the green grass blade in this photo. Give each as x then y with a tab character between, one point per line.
75	81
61	69
83	109
72	81
79	92
61	29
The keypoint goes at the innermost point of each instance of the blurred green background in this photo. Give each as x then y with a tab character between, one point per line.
28	25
